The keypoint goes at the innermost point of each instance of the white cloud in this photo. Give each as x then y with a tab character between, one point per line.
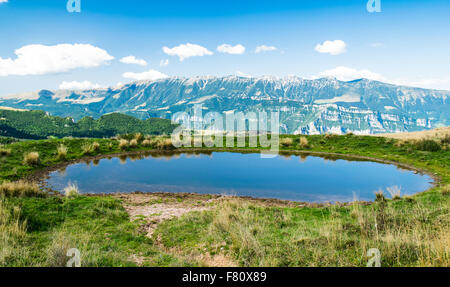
347	74
241	74
335	47
149	75
3	1
133	60
188	50
74	85
264	48
164	63
235	50
41	59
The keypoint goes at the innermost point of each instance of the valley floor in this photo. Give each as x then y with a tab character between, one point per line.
37	227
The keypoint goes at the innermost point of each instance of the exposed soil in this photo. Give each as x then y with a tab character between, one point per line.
152	209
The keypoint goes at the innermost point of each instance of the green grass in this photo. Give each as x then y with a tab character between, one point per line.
98	226
412	231
408	233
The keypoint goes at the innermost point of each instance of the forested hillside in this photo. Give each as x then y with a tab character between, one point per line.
40	125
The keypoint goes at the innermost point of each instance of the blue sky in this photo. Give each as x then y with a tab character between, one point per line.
406	43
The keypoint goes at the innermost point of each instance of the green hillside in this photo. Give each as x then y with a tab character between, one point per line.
40	125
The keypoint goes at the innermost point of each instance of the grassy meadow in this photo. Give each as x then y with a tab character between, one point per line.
38	226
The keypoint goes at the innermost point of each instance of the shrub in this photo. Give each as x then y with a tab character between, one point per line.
31	158
20	189
134	143
286	142
62	152
304	142
123	144
71	190
428	145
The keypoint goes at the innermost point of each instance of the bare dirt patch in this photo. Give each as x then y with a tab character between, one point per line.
152	208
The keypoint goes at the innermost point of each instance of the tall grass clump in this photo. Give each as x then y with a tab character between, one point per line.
12	232
164	144
71	190
123	144
31	158
134	143
62	152
90	148
20	189
304	142
286	142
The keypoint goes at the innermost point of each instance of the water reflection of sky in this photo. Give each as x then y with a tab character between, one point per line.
286	177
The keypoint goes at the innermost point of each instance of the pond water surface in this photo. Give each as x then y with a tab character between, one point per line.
291	177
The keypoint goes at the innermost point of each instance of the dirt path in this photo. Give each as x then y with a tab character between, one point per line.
153	209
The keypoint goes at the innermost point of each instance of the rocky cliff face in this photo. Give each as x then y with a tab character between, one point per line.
306	106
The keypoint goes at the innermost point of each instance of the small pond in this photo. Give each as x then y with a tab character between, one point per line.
290	177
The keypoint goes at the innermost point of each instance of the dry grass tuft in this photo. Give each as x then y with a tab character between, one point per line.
71	190
286	142
31	158
90	148
134	143
12	231
62	152
123	144
95	146
304	142
20	189
164	144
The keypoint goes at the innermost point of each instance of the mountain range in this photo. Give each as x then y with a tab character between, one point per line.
306	106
